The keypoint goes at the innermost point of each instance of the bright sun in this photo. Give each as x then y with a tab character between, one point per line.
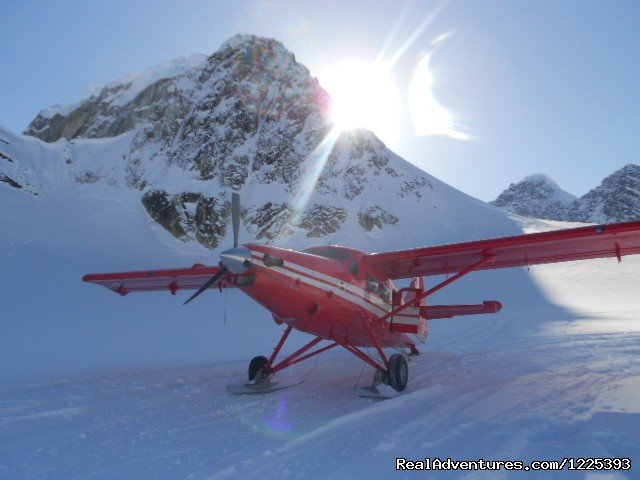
363	97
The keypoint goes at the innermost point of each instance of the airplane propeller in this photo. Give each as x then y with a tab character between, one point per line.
235	217
223	271
235	260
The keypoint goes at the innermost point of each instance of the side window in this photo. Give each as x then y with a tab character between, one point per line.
354	269
383	291
372	285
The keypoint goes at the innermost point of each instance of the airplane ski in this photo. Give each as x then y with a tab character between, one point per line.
382	392
258	388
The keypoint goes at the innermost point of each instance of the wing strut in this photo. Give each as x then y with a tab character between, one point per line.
440	286
376	343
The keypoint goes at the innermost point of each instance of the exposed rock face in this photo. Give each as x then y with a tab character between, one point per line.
116	108
322	220
189	215
535	196
248	117
270	220
375	217
616	199
10	181
13	173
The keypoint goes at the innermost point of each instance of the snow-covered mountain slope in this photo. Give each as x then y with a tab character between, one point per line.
34	167
616	199
536	196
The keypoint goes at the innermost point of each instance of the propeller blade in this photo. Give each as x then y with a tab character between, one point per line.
210	282
235	216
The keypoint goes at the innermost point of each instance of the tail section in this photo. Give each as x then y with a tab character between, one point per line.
410	320
414	319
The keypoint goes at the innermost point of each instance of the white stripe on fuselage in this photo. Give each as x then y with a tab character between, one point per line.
325	282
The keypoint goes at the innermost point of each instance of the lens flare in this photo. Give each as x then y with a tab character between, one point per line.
311	171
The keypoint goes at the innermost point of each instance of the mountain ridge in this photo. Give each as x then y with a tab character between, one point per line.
616	199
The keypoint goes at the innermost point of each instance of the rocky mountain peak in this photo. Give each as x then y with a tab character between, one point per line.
249	118
616	199
535	196
122	105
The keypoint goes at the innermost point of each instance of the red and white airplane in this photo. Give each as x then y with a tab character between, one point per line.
347	298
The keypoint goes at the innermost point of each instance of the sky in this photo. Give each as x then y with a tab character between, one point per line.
479	93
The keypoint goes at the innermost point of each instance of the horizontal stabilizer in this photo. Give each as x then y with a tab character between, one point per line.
449	311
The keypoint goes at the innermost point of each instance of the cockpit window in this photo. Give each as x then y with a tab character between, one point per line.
354	268
383	291
329	252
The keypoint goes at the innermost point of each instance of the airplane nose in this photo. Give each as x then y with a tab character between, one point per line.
237	259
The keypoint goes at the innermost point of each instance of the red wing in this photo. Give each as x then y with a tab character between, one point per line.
582	243
152	280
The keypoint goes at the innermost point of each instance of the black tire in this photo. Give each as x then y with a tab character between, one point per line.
257	364
398	373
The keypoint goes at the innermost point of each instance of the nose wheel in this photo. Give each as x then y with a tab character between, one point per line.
259	370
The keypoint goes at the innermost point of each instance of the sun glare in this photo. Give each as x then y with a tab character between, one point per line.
363	97
427	115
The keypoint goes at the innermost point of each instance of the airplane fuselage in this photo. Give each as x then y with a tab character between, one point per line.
322	292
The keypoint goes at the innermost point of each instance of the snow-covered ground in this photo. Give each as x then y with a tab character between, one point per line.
93	385
541	396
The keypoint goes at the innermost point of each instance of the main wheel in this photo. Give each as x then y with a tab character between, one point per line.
398	372
257	365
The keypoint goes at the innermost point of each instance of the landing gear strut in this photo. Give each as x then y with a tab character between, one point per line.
392	371
261	370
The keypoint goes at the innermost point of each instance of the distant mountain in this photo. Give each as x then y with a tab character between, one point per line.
616	199
179	137
536	196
